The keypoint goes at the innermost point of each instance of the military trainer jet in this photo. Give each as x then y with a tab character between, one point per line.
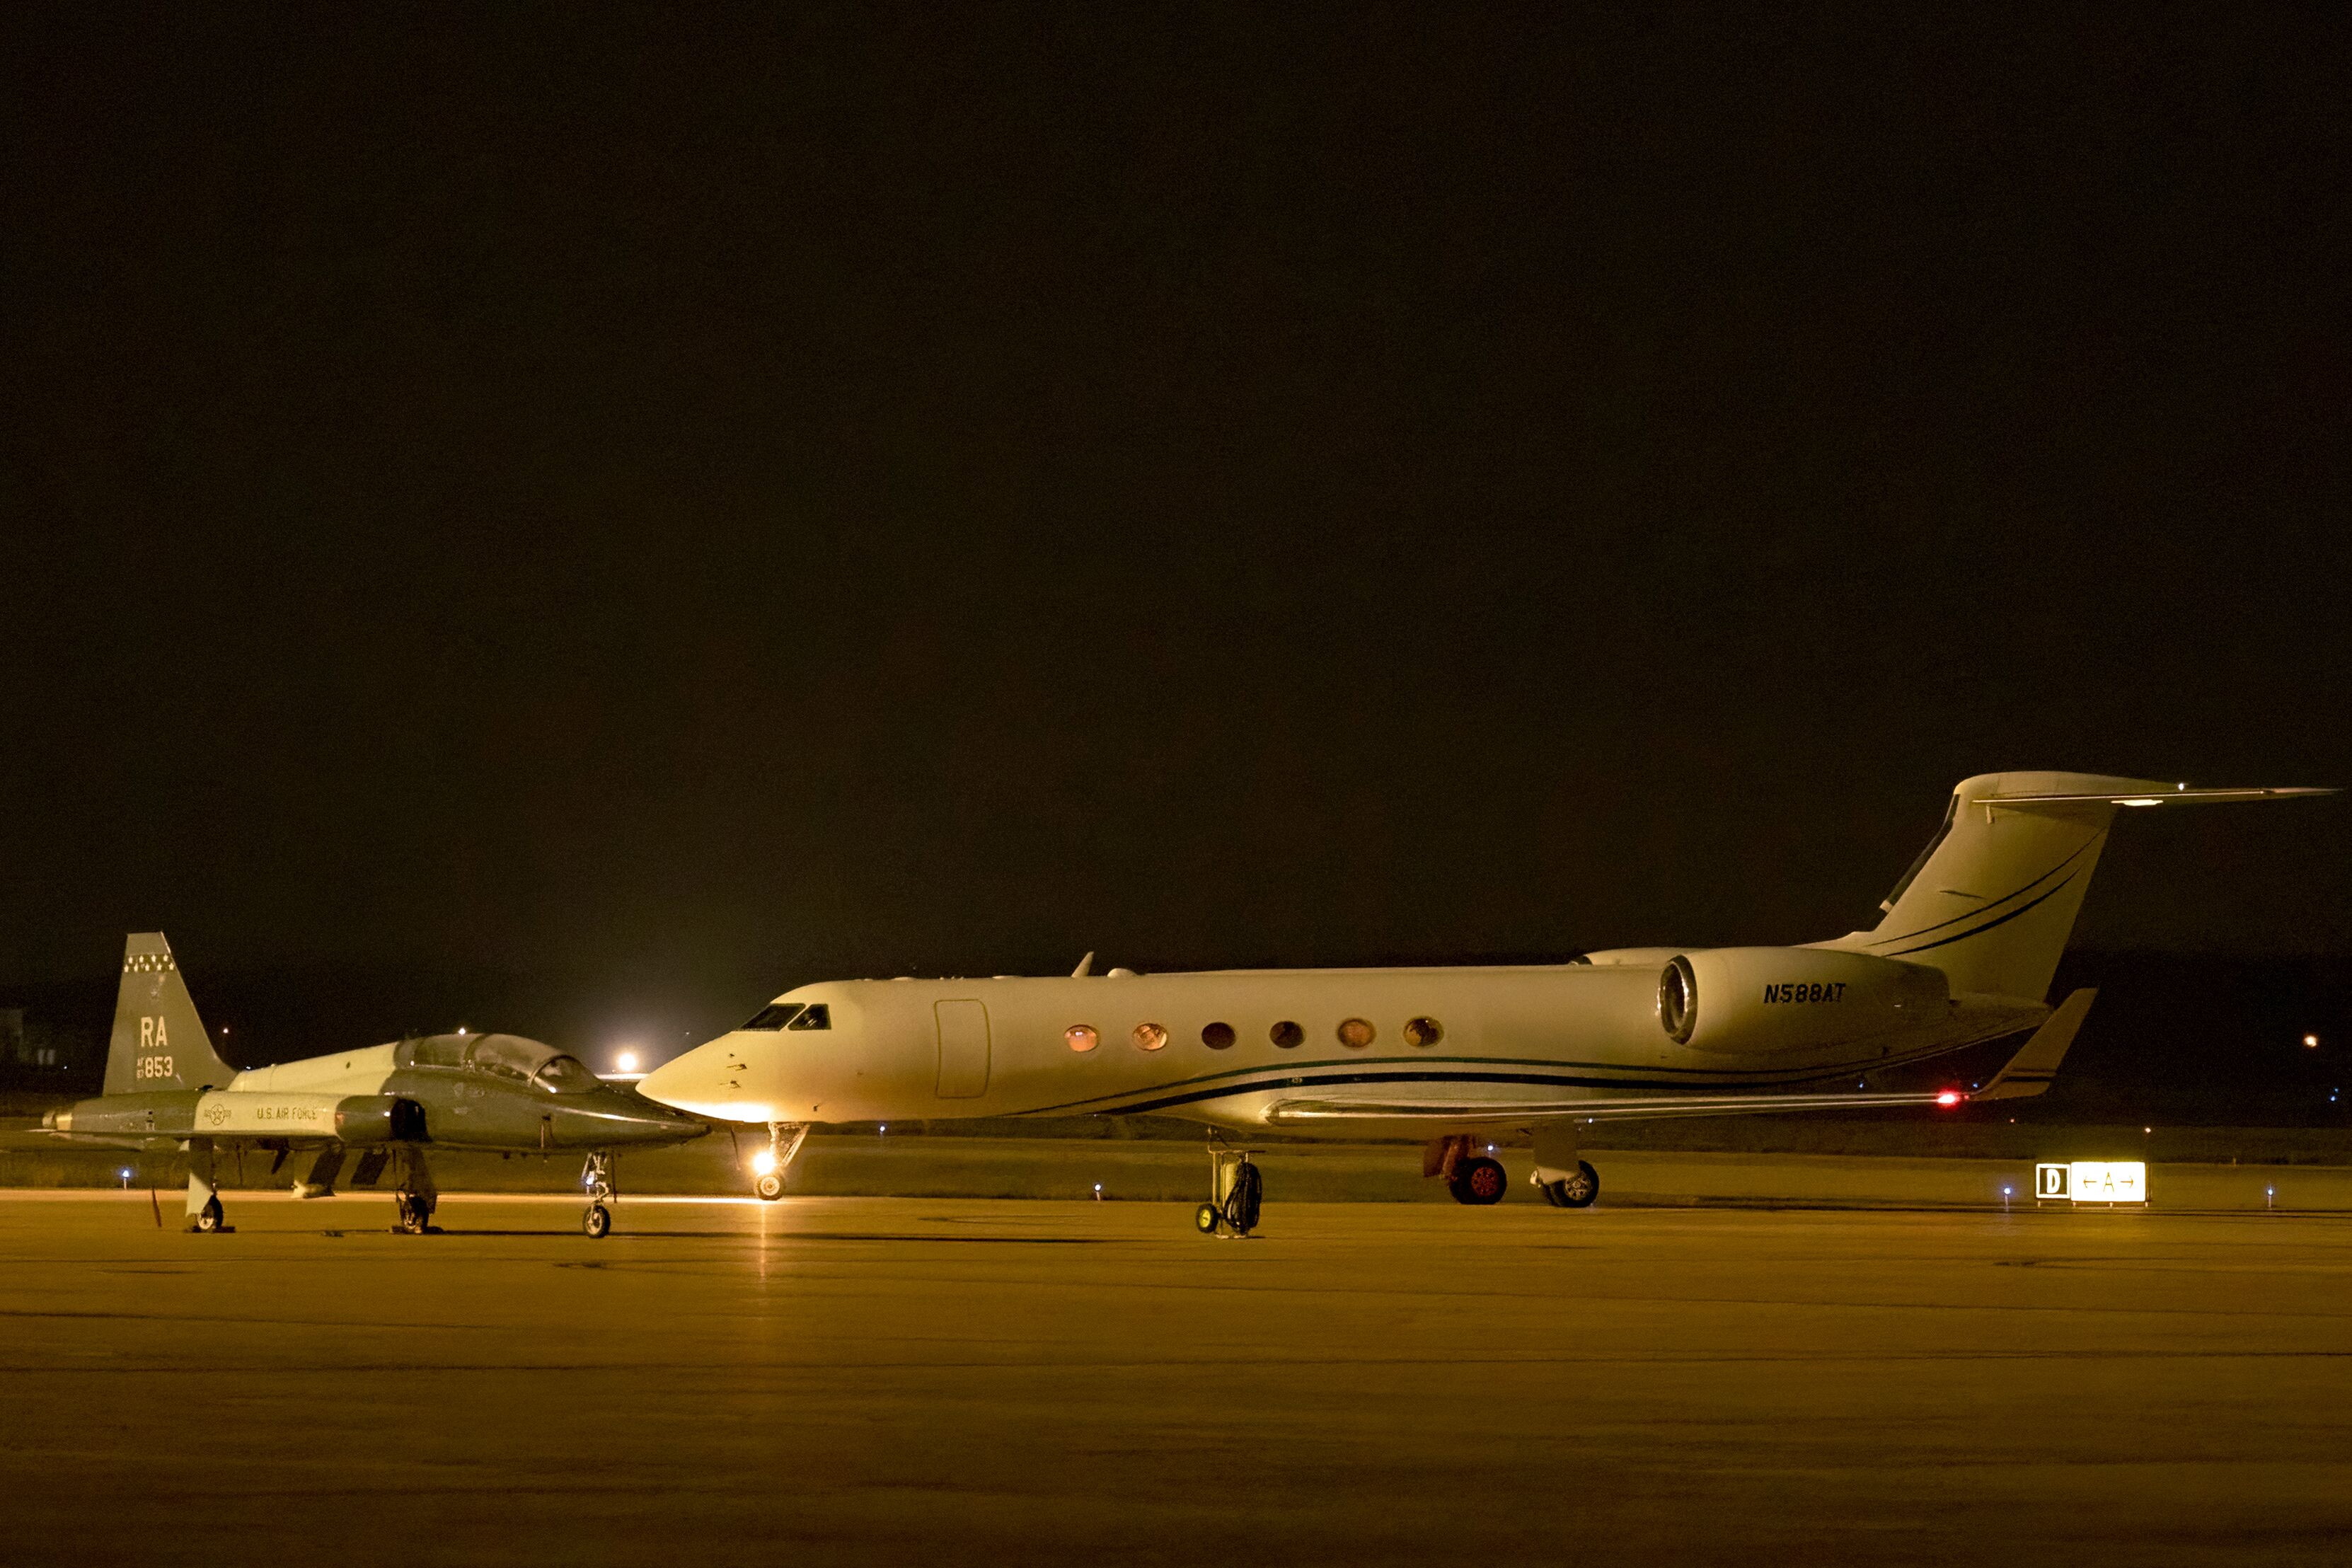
388	1104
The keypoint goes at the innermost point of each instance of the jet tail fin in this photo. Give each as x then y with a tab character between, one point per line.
1992	899
159	1042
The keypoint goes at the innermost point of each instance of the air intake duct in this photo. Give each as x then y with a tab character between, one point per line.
379	1118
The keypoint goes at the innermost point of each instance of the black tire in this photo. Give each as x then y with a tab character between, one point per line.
1575	1192
597	1222
1578	1191
1242	1203
1478	1181
210	1217
768	1187
1205	1218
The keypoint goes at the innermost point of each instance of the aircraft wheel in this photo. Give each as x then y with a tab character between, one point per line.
769	1187
597	1222
210	1217
1205	1218
1575	1192
1478	1181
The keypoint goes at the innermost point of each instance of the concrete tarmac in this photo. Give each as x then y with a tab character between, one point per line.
844	1380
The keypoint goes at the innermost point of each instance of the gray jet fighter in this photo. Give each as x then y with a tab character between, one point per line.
388	1104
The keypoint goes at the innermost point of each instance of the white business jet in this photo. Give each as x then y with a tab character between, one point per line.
1455	1058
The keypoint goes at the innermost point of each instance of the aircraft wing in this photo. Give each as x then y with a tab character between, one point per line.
1301	1112
2027	1073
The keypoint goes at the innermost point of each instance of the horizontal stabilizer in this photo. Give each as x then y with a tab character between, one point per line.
2179	794
2030	1071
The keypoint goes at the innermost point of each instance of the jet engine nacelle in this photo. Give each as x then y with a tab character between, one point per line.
1767	999
379	1118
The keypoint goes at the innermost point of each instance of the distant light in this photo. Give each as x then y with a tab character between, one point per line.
2147	1130
627	1061
763	1162
886	1127
1950	1097
2310	1042
2008	1191
2142	800
461	1029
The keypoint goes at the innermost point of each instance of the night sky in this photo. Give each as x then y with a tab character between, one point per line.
646	510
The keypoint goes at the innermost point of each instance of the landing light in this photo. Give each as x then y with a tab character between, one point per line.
1950	1097
627	1061
763	1162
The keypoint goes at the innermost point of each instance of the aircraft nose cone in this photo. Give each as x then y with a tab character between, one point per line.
708	1080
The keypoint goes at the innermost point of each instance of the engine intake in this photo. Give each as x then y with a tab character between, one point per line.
379	1118
1766	999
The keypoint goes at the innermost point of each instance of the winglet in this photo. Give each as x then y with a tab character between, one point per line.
1085	967
2030	1071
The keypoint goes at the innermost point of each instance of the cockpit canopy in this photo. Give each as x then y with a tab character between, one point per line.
508	1056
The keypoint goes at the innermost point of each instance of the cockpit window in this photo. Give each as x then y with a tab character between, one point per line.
434	1051
508	1055
775	1016
565	1075
816	1015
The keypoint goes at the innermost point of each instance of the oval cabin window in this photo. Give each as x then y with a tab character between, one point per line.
1423	1032
1082	1037
1150	1037
1288	1036
1357	1033
1216	1037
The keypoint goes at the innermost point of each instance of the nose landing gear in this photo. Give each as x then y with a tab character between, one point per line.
596	1176
770	1165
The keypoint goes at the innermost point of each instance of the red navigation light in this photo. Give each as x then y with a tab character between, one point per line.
1950	1097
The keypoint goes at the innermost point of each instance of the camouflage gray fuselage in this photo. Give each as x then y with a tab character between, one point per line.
490	1093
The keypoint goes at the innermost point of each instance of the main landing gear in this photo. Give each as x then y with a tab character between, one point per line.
1479	1181
598	1177
1236	1192
1575	1191
1472	1179
414	1195
1566	1181
206	1216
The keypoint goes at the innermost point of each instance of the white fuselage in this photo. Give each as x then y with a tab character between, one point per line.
1495	1037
